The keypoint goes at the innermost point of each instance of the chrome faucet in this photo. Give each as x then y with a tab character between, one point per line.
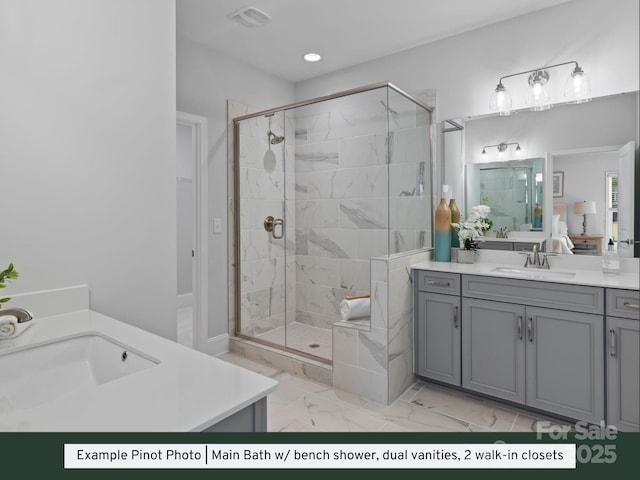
536	262
20	313
502	233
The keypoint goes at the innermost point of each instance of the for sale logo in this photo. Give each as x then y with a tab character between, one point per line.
585	453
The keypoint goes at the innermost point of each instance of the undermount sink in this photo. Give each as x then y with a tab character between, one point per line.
38	374
533	273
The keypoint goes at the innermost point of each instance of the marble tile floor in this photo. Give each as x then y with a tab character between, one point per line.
304	338
185	326
301	405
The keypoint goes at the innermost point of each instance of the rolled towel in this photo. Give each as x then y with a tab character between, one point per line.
10	327
351	309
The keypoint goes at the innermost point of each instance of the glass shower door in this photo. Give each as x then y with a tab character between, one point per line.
262	229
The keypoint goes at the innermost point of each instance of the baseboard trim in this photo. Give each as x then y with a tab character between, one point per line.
217	345
185	300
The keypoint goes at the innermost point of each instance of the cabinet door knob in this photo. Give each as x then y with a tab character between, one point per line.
530	328
455	317
632	305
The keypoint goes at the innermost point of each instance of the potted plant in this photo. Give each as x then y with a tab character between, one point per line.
471	231
8	274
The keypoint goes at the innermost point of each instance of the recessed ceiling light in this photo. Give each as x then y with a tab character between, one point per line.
312	57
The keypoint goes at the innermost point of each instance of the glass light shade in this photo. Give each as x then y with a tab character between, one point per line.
577	88
584	208
500	100
538	97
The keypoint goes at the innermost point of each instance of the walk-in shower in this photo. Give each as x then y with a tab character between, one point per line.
347	180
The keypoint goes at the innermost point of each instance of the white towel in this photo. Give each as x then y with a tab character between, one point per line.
356	308
10	328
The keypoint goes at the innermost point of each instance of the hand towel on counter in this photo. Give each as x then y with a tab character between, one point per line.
355	307
9	326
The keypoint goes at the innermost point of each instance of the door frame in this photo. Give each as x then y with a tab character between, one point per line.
200	273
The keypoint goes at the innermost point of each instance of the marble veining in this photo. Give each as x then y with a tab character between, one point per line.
317	157
358	213
326	244
373	346
364	151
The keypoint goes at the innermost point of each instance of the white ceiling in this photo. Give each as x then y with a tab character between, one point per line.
344	32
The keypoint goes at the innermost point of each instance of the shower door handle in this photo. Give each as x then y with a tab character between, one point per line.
270	225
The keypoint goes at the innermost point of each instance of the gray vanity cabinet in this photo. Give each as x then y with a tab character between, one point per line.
493	348
545	358
437	326
565	365
535	343
623	359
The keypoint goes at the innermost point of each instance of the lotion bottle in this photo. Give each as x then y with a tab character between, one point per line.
610	260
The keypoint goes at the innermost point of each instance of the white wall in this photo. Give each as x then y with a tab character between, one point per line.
87	151
206	79
601	35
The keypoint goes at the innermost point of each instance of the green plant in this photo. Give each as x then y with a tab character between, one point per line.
7	275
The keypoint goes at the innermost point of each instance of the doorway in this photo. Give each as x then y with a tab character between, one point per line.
191	228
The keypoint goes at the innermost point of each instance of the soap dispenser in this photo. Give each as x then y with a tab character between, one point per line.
610	259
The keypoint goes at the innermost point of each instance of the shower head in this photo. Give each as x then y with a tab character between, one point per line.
276	138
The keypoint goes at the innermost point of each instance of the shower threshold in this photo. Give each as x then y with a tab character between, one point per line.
306	339
281	358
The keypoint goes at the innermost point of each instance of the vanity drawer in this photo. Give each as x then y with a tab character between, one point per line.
525	246
623	303
576	298
438	282
491	245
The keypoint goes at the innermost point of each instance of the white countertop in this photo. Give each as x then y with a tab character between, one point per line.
186	391
597	278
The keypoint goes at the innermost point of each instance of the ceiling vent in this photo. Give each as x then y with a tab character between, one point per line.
250	17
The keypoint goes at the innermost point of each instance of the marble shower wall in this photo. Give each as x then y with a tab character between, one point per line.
362	182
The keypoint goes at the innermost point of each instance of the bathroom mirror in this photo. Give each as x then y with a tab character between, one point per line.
575	142
513	189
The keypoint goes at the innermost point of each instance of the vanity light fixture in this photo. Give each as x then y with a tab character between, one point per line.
577	89
501	148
